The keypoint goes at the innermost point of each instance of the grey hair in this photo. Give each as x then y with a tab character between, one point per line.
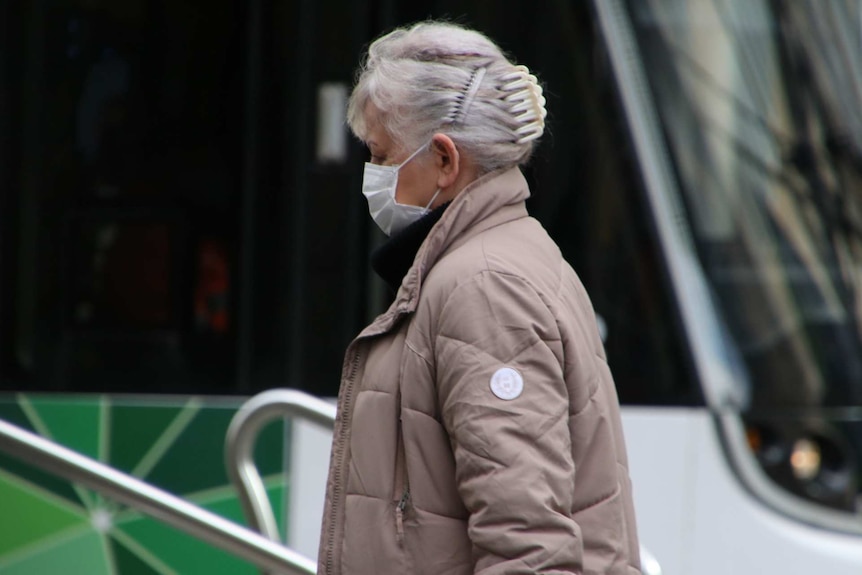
441	77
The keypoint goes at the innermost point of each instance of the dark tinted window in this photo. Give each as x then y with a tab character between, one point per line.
121	266
175	228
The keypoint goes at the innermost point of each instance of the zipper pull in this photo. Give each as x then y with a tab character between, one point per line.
399	516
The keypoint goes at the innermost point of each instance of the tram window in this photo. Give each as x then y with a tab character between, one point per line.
123	194
131	262
120	275
589	199
7	203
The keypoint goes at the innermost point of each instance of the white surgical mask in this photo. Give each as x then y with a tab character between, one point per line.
378	186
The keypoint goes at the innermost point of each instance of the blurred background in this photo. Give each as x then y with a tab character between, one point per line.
181	227
181	200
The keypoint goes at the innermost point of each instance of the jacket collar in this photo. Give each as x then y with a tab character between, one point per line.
493	199
394	257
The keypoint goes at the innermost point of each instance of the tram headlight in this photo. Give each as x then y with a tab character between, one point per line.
817	465
805	459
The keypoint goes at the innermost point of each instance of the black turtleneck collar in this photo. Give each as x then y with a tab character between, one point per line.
393	259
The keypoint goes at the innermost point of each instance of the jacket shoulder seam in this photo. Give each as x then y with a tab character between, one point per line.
409	345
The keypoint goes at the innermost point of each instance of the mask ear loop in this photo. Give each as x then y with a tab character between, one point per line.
456	115
413	155
410	157
434	197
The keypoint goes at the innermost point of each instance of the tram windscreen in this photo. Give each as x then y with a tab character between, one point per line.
760	104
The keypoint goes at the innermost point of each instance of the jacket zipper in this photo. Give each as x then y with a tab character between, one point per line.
401	482
399	515
336	483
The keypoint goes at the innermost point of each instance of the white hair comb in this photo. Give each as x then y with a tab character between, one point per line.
527	103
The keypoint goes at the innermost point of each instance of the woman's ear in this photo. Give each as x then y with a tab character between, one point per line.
447	160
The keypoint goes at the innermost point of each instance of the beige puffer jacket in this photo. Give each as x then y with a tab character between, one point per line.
478	426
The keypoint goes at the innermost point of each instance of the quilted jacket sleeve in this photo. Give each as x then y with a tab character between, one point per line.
511	440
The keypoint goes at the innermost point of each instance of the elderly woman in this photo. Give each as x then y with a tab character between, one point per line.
478	425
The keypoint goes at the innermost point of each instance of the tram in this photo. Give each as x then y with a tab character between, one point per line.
181	229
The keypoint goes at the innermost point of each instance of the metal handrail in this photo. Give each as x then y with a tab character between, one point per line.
124	488
242	433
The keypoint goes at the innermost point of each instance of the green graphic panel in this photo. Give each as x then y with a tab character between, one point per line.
195	461
185	554
30	514
73	423
127	563
176	443
134	430
269	452
84	554
12	413
48	482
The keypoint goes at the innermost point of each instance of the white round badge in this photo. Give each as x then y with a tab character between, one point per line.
507	383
